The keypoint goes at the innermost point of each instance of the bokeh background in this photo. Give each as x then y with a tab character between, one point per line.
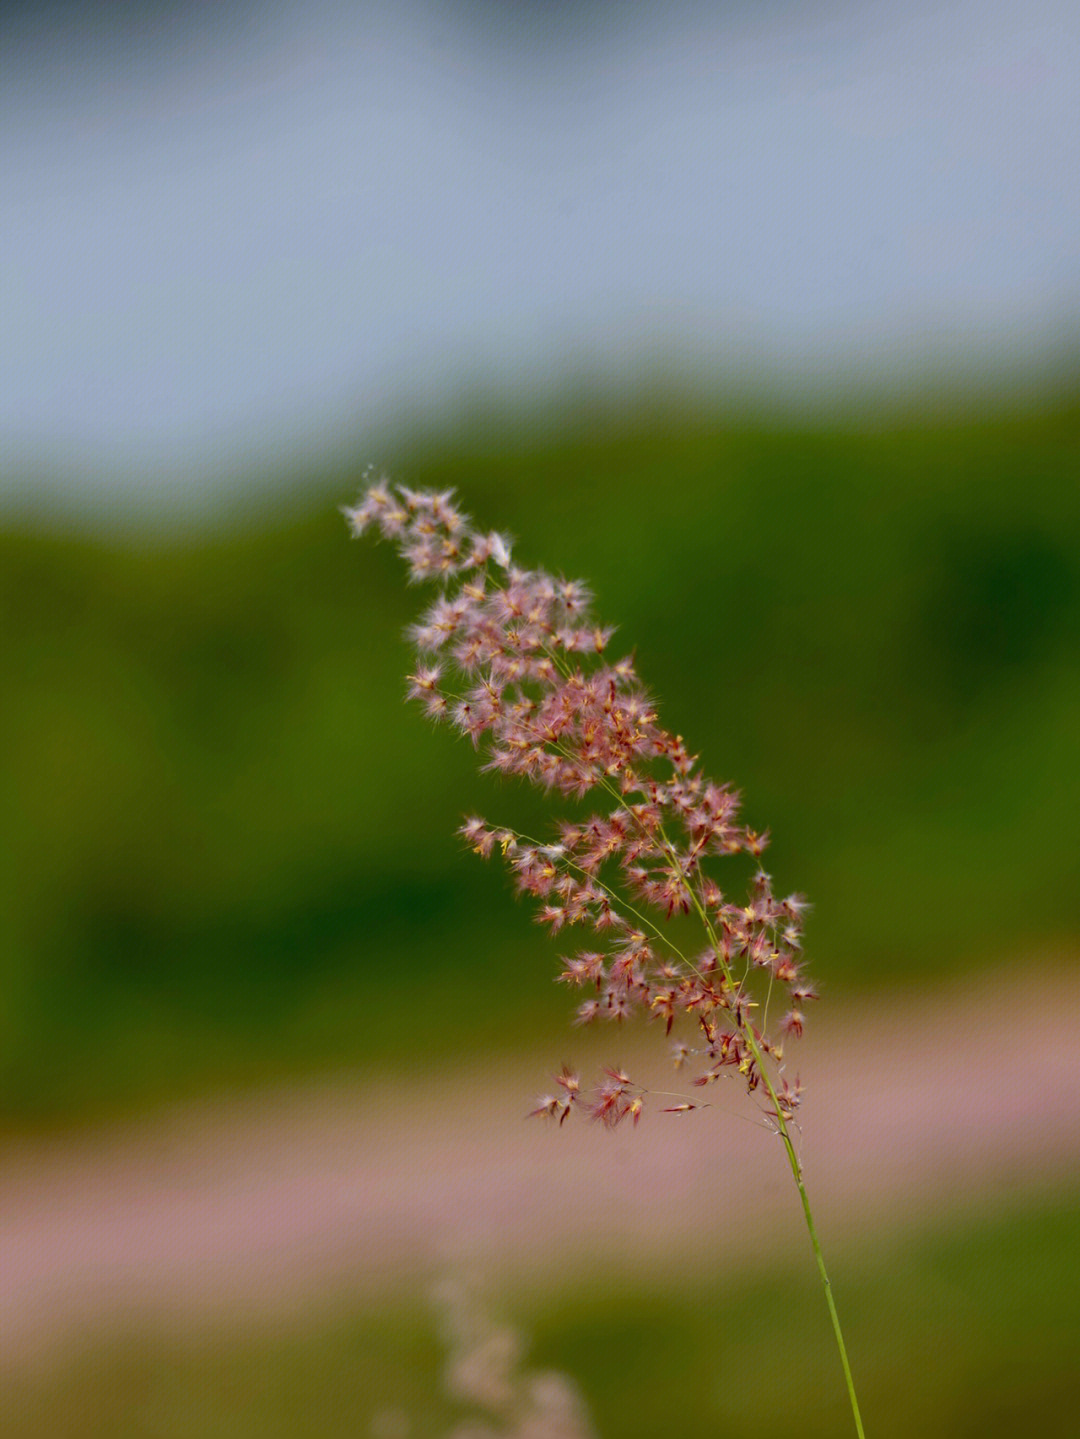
765	320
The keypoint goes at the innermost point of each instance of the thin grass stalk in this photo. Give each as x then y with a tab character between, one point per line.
512	660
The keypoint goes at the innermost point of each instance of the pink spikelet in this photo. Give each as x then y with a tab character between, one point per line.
512	659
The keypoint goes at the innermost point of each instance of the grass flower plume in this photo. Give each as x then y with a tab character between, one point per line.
486	1370
513	659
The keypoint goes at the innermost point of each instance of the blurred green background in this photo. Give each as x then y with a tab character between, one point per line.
962	1334
231	861
230	847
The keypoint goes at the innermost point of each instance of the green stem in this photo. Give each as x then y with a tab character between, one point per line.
759	1060
785	1135
796	1170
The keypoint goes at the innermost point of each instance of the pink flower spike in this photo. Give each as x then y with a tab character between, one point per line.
514	659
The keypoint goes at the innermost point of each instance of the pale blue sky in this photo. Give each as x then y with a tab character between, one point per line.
218	245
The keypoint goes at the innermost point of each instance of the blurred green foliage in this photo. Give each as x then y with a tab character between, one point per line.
962	1334
229	848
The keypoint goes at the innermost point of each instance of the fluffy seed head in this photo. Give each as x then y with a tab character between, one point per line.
514	660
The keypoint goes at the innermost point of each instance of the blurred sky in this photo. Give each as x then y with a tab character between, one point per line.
232	234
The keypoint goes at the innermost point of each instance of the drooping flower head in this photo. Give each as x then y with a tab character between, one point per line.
513	659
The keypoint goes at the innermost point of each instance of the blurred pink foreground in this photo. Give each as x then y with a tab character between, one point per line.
260	1207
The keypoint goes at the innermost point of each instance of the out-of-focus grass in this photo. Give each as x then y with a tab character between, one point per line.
229	851
963	1335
